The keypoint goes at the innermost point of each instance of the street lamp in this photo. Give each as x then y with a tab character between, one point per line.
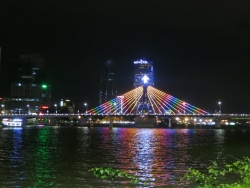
85	104
121	98
56	107
219	107
3	108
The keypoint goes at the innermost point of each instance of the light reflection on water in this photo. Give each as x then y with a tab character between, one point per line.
61	156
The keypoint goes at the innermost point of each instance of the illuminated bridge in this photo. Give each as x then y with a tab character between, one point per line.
147	103
146	107
155	102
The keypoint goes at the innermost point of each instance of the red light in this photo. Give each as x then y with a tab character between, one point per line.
44	107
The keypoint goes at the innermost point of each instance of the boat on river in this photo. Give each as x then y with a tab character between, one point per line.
9	122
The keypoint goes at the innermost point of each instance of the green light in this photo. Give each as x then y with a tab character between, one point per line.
44	86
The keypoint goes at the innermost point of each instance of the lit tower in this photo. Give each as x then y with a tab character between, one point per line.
108	84
144	76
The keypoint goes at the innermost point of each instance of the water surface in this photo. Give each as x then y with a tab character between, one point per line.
54	156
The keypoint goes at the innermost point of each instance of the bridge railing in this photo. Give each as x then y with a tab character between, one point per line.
86	114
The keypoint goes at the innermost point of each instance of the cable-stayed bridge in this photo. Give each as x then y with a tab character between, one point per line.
146	103
149	102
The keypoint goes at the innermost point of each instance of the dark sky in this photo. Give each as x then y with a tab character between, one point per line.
200	49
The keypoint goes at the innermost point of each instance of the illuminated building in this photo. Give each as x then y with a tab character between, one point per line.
144	73
28	89
108	83
144	76
66	106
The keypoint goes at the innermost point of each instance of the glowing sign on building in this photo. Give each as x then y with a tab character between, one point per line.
44	86
140	62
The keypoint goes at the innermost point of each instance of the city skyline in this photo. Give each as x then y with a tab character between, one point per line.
200	50
29	92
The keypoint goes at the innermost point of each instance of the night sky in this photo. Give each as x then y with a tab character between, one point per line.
200	49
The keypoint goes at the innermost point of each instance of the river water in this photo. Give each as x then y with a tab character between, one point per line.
60	156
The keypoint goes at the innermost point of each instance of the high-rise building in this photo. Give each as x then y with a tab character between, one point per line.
29	90
28	69
144	77
108	84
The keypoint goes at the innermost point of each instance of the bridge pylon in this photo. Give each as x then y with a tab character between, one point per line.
143	105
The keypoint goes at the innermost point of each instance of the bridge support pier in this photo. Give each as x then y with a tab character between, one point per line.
169	122
24	121
111	119
82	121
51	121
217	123
145	122
31	121
192	120
35	122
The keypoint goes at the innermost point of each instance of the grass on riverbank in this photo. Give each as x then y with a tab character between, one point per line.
214	177
218	177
